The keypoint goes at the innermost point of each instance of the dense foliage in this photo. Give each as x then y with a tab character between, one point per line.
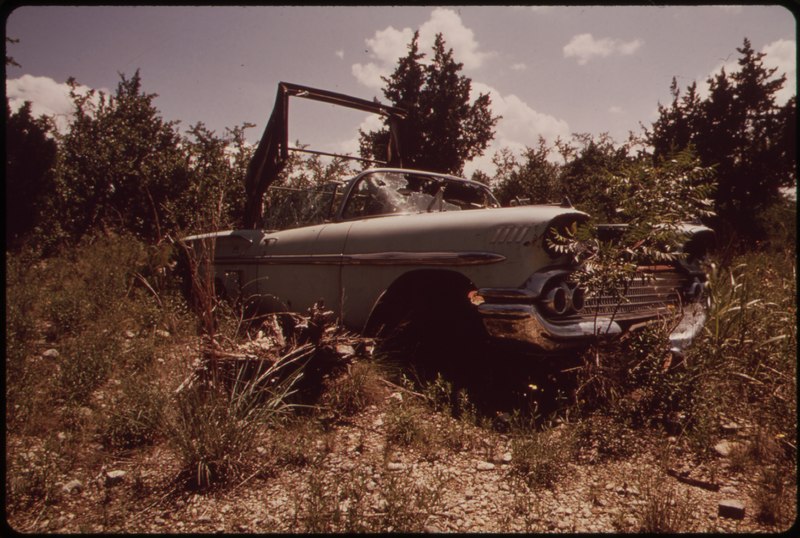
743	132
30	155
443	129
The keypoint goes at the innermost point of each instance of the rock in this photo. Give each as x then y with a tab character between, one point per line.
61	436
73	486
129	334
261	451
723	448
51	354
394	466
395	396
345	350
204	518
484	466
731	508
114	477
162	333
506	458
730	428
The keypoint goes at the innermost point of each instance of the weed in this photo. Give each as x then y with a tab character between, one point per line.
541	458
137	414
297	444
771	504
408	504
31	478
663	509
213	429
87	361
404	425
527	505
355	390
601	438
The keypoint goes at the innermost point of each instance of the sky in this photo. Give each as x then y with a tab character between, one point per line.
550	71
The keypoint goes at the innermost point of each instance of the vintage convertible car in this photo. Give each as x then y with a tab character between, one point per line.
392	238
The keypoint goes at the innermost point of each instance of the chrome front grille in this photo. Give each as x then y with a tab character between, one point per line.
647	295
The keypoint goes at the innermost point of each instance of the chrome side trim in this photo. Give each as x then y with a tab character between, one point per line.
377	258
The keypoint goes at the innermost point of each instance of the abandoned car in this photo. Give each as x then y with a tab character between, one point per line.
391	237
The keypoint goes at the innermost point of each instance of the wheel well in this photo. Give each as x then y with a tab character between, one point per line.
430	291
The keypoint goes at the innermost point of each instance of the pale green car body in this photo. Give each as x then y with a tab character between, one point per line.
357	257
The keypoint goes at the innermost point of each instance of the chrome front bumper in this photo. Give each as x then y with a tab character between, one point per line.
524	323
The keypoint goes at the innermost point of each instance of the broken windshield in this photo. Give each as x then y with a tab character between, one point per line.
385	193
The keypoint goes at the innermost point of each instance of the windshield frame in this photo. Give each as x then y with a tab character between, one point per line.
355	184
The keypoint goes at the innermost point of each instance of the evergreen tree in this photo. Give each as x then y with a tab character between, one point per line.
739	130
443	129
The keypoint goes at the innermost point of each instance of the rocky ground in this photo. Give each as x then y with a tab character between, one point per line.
458	479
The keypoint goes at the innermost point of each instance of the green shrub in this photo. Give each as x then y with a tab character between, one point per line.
540	458
137	414
353	391
86	363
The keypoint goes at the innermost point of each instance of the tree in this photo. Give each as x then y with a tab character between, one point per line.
534	179
588	175
741	131
120	163
30	155
443	129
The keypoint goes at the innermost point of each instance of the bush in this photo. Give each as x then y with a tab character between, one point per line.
213	429
137	414
353	391
541	458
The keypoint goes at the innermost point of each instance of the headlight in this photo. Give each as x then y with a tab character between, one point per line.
564	298
562	225
557	299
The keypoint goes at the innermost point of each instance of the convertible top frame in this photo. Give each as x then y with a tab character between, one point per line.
273	149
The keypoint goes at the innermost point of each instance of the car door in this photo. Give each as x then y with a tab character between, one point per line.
298	267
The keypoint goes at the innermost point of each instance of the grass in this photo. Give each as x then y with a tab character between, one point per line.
114	378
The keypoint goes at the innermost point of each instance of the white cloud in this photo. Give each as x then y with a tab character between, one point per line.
47	97
616	109
519	67
390	44
519	127
585	47
457	36
371	122
340	53
780	54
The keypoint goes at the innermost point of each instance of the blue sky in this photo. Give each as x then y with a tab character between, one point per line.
551	71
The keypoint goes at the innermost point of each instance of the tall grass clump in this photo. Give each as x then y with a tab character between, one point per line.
748	350
81	302
213	428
